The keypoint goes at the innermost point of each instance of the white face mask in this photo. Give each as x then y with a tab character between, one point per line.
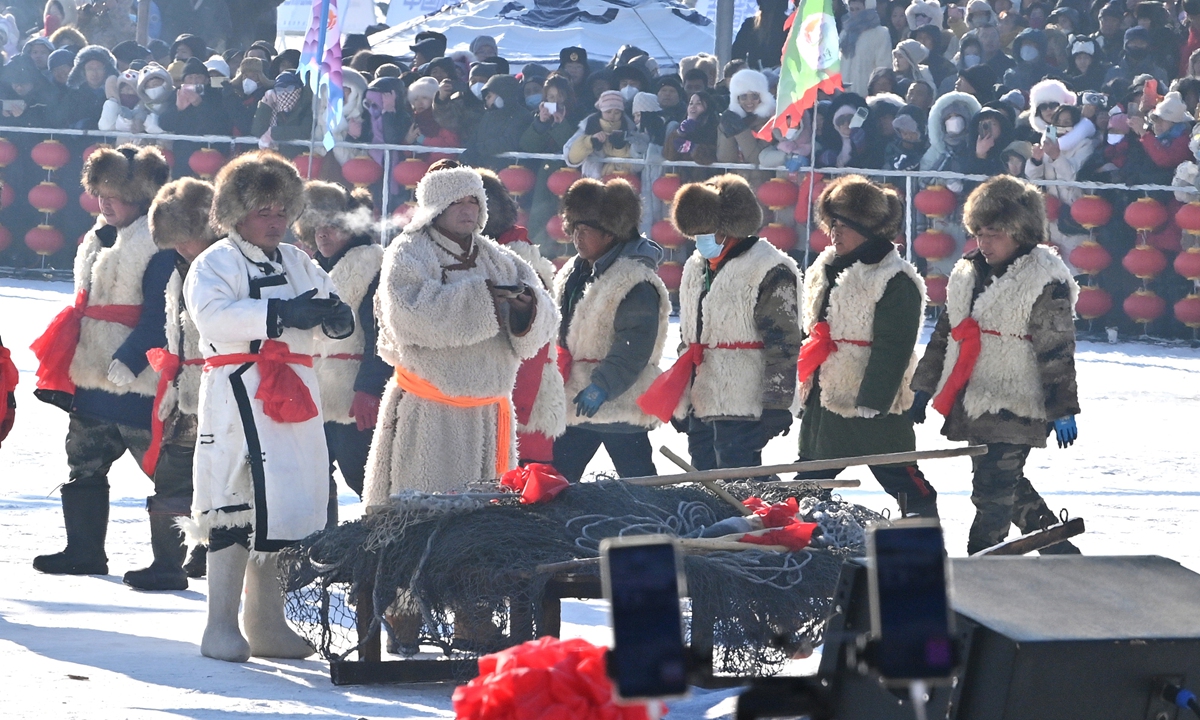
707	246
249	86
156	93
628	92
477	89
1029	53
955	125
971	60
498	103
1115	138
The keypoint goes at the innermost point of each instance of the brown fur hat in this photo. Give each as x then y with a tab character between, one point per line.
136	173
253	181
502	209
327	203
614	207
1009	205
877	210
180	213
68	36
724	205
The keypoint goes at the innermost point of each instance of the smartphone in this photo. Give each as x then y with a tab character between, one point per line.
643	580
550	107
616	138
860	117
1052	132
911	621
1095	98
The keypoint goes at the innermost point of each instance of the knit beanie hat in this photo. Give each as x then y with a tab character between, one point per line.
645	102
913	50
426	87
610	100
1172	109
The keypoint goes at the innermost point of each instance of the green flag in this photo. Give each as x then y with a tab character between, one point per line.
811	62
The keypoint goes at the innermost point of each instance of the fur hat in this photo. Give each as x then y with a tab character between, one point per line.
751	81
614	207
68	36
877	210
180	213
327	203
1047	91
931	9
252	181
135	172
426	87
92	52
440	189
700	61
502	209
724	205
1010	205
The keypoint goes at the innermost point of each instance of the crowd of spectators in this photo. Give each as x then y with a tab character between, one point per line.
1082	90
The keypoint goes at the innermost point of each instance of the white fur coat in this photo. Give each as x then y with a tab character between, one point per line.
183	341
352	277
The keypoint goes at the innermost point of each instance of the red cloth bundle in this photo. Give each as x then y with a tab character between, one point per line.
284	395
536	482
968	336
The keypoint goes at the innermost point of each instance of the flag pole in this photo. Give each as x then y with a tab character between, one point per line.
322	30
812	180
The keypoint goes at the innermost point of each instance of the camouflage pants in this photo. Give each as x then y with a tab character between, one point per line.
1003	496
94	445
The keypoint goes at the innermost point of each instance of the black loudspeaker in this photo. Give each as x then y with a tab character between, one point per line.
1044	638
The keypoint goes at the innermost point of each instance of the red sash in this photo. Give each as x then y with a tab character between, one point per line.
969	337
166	364
566	361
55	349
662	397
817	349
284	395
9	377
340	356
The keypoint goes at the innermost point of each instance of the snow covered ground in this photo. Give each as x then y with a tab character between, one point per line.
89	647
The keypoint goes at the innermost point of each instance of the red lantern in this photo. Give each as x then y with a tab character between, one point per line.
1053	207
1188	217
1091	211
671	274
1144	306
50	154
6	195
410	172
8	152
554	228
818	240
1144	262
802	197
517	179
1168	238
205	162
90	203
935	201
933	244
778	193
665	187
1187	311
561	180
665	234
44	240
5	238
1093	302
47	197
1145	214
1187	264
935	289
1089	256
362	171
309	166
628	177
780	236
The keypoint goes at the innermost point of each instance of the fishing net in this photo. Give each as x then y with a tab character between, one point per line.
466	574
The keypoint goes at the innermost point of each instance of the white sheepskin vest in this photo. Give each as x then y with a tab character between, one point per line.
851	317
352	276
729	382
1006	374
112	276
591	334
181	334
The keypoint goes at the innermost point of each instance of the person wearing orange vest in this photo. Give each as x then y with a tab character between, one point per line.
863	309
92	358
1000	365
261	466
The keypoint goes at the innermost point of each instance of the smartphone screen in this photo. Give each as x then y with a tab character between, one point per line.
911	612
648	654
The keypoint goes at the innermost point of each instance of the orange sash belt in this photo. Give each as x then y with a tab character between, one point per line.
55	348
662	397
166	364
284	395
817	349
410	382
969	337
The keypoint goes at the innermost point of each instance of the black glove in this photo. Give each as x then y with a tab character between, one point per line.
303	311
339	322
732	123
776	422
917	411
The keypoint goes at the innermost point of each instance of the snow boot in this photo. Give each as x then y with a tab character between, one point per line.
197	563
85	516
266	628
223	638
166	572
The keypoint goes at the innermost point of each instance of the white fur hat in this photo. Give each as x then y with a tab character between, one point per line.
1047	91
440	189
751	81
426	87
931	9
1172	109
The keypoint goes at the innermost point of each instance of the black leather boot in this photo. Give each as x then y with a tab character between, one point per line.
166	572
85	515
197	562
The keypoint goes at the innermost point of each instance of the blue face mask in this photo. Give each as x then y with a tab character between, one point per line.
708	247
532	101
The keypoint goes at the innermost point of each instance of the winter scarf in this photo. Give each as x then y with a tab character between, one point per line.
285	102
854	25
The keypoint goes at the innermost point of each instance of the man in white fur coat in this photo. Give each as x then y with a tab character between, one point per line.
1001	363
863	309
93	356
457	314
739	323
260	467
350	372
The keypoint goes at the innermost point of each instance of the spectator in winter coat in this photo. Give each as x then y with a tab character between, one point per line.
197	110
241	95
879	129
1087	69
455	106
650	130
503	122
93	66
123	109
990	133
760	39
671	98
979	81
38	50
425	129
930	12
920	94
1165	138
154	88
1015	156
844	141
1190	37
1029	49
129	52
953	146
388	112
601	136
895	21
939	67
284	113
909	141
573	63
864	44
1137	58
549	132
58	67
1053	159
907	61
883	80
28	97
1164	42
751	107
695	138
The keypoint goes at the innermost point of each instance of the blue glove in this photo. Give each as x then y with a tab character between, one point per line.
917	411
588	402
1066	430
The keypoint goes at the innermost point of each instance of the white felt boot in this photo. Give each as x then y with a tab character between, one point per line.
222	638
266	627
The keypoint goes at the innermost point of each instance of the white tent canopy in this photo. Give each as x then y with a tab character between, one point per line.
668	31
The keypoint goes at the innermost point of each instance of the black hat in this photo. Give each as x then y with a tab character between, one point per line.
446	64
194	66
486	69
263	45
429	44
572	55
138	65
353	43
387	84
534	71
129	50
20	71
631	72
195	43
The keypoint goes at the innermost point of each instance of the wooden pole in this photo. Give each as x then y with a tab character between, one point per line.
807	466
717	489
